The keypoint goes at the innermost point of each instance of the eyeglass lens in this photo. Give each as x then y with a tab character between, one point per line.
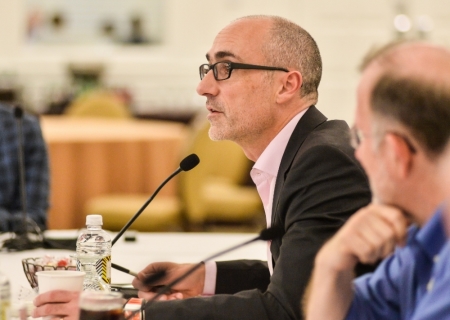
221	70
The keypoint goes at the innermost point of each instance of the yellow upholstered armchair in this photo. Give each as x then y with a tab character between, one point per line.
163	214
100	104
212	192
215	190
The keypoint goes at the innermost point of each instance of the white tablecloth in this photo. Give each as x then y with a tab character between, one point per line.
149	247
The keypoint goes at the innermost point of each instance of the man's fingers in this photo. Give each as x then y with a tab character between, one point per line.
369	235
157	267
385	221
175	296
375	232
59	303
380	237
397	221
152	269
55	296
365	251
49	309
150	295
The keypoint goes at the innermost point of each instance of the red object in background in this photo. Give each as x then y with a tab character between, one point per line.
62	263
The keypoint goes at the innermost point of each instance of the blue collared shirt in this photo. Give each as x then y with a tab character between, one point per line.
405	280
435	305
36	171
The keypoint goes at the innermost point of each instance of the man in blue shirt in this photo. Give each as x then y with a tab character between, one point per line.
36	172
401	133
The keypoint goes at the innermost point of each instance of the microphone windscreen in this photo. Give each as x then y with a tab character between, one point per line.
190	162
18	112
271	233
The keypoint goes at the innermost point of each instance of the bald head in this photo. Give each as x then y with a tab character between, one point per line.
409	85
412	59
288	45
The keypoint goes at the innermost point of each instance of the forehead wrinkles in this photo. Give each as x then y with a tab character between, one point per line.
224	49
220	55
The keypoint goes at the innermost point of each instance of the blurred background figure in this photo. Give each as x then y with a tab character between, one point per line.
107	32
34	24
36	171
56	28
137	33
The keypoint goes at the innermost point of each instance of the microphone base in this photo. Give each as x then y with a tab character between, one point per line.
21	242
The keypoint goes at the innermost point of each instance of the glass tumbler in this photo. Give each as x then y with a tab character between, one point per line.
101	305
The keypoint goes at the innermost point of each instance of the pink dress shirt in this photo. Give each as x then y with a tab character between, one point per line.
264	175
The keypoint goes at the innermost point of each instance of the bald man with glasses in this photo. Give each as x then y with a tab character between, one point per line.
261	95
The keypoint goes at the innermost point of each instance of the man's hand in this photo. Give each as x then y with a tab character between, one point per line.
58	304
369	235
191	286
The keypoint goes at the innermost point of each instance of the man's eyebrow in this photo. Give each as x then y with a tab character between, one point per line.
220	55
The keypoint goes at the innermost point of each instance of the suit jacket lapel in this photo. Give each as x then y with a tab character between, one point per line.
310	120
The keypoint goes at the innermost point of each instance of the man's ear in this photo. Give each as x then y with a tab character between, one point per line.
290	86
400	155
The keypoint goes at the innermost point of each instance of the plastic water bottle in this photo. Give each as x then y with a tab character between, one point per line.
5	297
94	255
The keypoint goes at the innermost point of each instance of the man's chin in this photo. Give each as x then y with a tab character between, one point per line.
379	199
216	135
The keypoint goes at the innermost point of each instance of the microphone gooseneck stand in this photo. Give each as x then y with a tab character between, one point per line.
265	235
188	163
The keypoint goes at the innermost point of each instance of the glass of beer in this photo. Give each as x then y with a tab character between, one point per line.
101	305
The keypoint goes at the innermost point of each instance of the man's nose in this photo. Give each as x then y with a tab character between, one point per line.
208	85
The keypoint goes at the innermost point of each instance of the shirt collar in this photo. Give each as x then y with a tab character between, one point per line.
431	237
270	159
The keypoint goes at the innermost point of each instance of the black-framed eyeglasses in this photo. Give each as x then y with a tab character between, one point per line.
222	69
357	136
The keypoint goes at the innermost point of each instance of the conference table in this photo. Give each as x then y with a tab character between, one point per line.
148	247
96	156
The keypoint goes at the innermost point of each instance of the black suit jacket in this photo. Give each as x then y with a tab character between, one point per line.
319	185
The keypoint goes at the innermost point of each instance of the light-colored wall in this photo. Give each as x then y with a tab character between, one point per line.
164	77
11	28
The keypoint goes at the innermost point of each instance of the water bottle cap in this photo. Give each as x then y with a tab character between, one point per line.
94	220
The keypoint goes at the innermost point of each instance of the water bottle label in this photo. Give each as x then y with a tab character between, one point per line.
103	267
79	267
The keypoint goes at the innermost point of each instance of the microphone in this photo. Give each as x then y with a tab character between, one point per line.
131	292
265	235
21	240
188	163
